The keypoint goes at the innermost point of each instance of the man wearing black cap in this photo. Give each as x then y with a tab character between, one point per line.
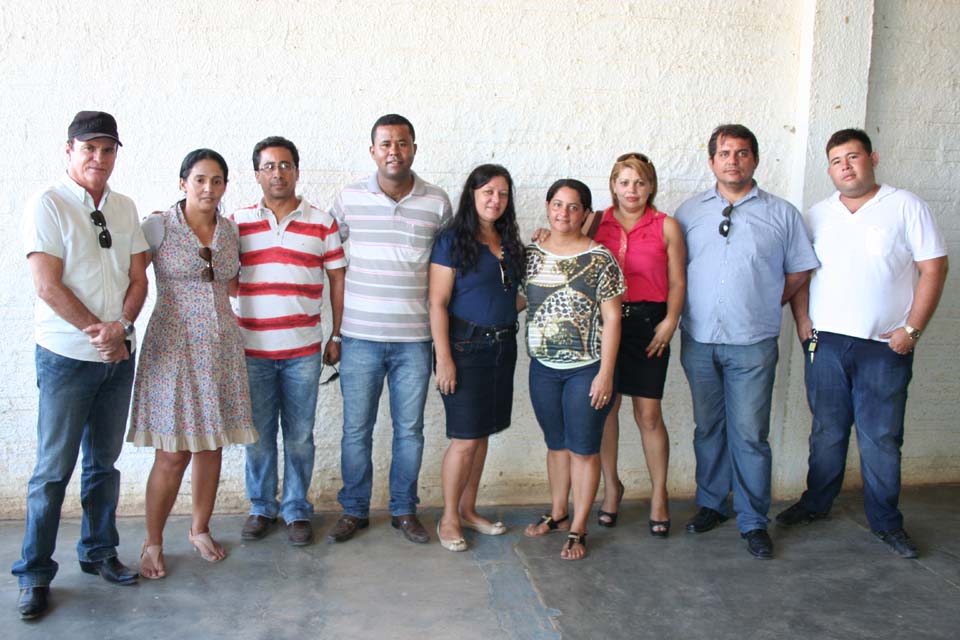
88	259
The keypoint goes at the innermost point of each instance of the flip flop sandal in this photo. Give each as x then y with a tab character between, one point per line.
552	524
576	538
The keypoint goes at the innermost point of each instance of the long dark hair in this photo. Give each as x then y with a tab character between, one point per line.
466	223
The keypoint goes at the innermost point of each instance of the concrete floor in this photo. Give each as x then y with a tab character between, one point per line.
831	579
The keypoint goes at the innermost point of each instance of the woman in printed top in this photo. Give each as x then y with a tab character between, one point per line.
475	270
648	245
573	287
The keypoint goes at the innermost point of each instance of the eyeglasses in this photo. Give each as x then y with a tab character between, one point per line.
333	376
635	156
726	222
96	216
505	275
206	254
270	166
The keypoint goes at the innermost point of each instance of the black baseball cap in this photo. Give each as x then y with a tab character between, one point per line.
88	125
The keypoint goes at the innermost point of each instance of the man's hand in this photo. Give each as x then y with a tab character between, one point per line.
108	338
331	353
900	341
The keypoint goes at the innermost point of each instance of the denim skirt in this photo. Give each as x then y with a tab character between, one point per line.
486	358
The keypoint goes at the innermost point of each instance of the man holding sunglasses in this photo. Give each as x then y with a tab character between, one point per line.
88	258
747	254
286	245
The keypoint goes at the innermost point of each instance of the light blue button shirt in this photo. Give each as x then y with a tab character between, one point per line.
734	284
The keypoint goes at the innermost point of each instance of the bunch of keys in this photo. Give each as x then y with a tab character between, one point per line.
812	347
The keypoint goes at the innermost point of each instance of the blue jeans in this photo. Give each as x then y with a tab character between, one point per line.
732	387
82	405
364	364
283	393
852	380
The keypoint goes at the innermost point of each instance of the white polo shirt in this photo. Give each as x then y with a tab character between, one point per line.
57	222
385	291
864	285
281	278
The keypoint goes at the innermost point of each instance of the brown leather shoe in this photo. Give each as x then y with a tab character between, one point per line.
411	528
256	527
345	527
300	533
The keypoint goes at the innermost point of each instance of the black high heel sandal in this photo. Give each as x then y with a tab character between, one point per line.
659	528
611	518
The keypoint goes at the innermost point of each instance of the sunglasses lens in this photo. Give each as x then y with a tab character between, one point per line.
724	228
105	240
205	253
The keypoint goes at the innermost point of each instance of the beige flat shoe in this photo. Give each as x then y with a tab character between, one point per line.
452	544
492	529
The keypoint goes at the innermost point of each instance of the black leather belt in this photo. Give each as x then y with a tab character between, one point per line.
464	329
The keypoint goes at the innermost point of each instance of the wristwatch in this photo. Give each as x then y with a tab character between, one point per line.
913	333
336	339
127	326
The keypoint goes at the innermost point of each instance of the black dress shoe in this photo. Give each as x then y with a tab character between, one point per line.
111	570
759	543
32	602
411	528
704	520
899	542
798	514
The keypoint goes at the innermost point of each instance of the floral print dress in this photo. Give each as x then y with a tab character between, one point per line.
191	391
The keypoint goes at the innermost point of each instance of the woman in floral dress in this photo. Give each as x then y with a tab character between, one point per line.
191	395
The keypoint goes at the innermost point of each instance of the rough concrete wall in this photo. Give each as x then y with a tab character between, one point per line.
913	119
548	89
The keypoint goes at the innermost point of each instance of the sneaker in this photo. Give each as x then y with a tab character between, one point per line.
798	514
899	542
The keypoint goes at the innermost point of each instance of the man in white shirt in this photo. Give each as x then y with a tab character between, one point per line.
883	265
88	260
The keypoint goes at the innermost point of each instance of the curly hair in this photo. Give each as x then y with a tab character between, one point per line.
465	225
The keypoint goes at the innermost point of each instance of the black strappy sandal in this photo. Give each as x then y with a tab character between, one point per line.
659	528
611	518
576	538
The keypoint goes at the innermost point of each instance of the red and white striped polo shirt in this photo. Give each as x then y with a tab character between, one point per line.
281	278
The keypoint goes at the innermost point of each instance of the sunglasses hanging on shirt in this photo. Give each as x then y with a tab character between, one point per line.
96	216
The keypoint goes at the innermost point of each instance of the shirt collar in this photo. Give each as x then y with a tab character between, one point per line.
713	192
884	191
419	187
262	209
81	194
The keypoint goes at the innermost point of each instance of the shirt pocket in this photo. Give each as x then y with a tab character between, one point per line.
877	241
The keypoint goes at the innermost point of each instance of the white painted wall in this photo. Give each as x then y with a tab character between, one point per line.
549	89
